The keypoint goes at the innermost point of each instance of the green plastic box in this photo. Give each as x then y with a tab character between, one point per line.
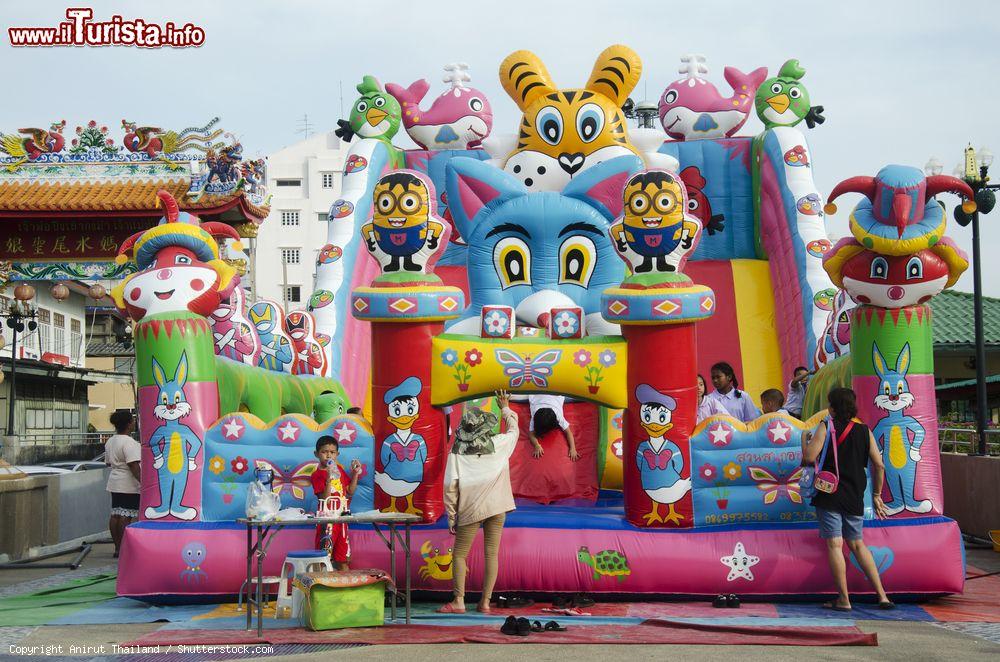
334	607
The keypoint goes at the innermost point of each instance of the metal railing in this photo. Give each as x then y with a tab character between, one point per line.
966	440
65	438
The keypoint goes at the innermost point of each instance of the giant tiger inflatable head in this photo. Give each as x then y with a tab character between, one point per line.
563	132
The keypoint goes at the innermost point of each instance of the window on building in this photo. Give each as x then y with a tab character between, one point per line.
328	180
44	330
74	325
38	419
288	182
290	255
124	364
59	334
289	218
293	294
323	217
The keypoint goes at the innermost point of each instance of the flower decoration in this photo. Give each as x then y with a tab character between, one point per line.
449	357
607	358
732	471
565	323
616	421
708	472
581	357
217	465
473	357
496	323
239	465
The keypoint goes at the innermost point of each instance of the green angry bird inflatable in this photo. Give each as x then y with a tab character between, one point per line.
375	114
784	100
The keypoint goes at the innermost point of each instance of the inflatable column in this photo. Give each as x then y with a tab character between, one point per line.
892	362
342	263
180	282
178	401
407	306
896	261
657	308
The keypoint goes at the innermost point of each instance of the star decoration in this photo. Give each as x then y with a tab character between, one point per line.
740	563
779	432
345	433
721	434
232	429
288	433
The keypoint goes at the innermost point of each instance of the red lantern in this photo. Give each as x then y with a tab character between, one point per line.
59	292
24	292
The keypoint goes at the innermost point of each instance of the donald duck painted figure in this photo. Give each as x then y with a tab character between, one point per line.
403	452
659	460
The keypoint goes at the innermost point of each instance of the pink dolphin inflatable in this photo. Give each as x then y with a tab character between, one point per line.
691	108
458	119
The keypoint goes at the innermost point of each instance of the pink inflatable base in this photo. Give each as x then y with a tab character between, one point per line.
919	556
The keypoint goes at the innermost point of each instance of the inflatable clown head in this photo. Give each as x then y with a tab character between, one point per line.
179	266
898	255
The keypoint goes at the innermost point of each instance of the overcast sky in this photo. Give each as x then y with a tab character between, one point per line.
901	80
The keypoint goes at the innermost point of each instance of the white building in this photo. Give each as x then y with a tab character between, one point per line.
303	180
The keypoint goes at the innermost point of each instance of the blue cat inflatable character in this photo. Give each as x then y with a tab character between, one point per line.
534	251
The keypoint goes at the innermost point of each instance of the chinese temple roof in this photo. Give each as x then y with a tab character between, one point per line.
41	174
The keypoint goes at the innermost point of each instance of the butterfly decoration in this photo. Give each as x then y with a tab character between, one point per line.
296	481
774	487
406	451
526	369
657	460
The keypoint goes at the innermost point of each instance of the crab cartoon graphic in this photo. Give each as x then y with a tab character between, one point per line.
437	564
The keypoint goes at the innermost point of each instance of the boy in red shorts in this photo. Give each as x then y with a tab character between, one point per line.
330	479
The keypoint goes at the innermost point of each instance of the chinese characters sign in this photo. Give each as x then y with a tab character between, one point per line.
66	241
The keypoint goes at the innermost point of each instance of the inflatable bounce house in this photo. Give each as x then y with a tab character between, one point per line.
577	258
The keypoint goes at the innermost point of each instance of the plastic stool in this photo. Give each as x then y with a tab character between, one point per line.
289	597
267	580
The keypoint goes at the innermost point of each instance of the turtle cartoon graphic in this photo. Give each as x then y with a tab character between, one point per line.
606	563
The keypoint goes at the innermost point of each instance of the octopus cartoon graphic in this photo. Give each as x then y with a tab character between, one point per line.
193	555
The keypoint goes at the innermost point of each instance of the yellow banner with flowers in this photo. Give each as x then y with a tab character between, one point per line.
592	368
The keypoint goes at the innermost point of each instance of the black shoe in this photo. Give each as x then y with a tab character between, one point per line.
552	626
720	601
523	627
732	601
509	626
581	601
536	626
562	601
505	602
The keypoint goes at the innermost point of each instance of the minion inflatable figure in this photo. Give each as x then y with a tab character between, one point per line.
404	233
655	232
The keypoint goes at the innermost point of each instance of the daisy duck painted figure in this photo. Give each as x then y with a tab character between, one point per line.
897	259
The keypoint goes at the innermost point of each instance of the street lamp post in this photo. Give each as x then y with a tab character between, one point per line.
20	315
975	171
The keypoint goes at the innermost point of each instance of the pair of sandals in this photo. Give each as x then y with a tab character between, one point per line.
723	601
578	601
511	602
522	627
885	606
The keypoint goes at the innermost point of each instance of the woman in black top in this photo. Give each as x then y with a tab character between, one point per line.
841	513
